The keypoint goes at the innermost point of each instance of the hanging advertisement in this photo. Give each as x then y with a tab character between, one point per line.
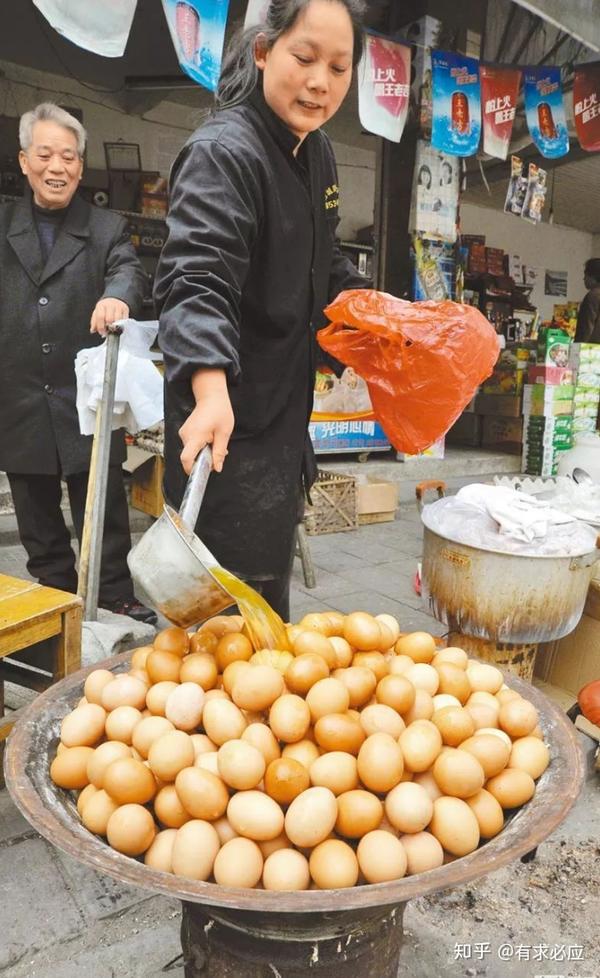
197	30
342	418
545	111
433	265
586	105
434	200
384	86
256	13
499	93
100	26
456	126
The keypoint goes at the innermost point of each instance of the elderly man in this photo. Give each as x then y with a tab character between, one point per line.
588	317
67	270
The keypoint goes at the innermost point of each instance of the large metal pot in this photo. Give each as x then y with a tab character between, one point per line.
503	597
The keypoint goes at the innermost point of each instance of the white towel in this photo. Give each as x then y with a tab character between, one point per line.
517	514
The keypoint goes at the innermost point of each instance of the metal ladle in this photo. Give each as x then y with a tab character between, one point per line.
581	477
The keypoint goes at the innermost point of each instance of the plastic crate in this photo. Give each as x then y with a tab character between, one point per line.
333	507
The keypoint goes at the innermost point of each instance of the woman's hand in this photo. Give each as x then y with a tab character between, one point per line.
106	312
211	421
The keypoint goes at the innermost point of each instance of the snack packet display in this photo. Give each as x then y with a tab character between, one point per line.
535	195
517	187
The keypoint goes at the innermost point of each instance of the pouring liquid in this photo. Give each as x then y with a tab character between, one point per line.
266	630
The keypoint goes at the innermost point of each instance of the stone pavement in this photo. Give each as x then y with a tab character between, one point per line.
60	919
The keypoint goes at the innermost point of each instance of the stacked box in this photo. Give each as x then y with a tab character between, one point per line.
553	348
509	372
548	400
550	375
543	441
585	360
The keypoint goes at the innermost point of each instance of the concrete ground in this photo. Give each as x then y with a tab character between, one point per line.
60	919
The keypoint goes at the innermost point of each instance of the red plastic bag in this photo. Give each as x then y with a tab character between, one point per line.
422	361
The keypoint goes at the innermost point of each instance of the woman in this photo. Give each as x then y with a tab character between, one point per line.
249	264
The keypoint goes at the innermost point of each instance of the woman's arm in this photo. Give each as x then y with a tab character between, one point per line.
211	421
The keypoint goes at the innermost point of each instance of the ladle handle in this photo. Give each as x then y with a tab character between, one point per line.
195	488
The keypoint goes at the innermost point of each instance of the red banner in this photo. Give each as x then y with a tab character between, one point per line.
384	86
586	105
499	93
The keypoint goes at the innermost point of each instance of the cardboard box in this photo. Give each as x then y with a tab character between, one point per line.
376	500
559	376
503	405
146	487
553	348
574	660
504	434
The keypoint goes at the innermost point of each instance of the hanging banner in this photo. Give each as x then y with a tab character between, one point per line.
256	13
434	199
586	105
545	111
384	86
342	418
499	93
100	26
197	30
456	126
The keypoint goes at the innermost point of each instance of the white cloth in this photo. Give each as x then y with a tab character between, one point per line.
139	386
517	514
101	26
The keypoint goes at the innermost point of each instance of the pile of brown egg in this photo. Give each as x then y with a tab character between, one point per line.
361	756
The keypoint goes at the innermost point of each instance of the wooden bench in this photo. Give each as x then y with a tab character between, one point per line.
30	614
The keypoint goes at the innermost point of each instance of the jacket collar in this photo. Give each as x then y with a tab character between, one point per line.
283	136
70	240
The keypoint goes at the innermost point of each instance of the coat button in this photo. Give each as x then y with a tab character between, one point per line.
49	388
43	301
46	348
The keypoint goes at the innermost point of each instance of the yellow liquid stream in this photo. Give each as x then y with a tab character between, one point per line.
265	628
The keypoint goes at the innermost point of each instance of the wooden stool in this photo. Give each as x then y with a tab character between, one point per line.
30	613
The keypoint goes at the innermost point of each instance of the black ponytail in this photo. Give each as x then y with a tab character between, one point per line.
239	73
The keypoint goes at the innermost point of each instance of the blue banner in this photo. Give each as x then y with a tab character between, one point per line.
346	435
456	125
545	111
197	30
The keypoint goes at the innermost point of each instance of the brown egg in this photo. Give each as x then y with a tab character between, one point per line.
129	781
421	743
69	768
240	765
423	852
200	668
238	863
285	869
506	695
184	706
378	718
388	637
257	688
423	676
327	696
125	690
131	830
451	655
142	675
201	793
360	683
289	718
97	811
285	779
160	854
305	751
95	683
391	624
105	754
512	787
518	718
232	647
488	813
482	715
168	808
362	631
170	754
174	640
343	651
208	762
396	692
380	763
203	643
454	723
409	807
139	656
310	642
359	812
222	625
194	850
231	674
311	817
484	676
121	723
147	731
420	646
458	773
422	708
84	726
261	737
455	826
304	671
336	620
223	720
255	815
85	795
333	865
427	781
481	696
381	857
224	829
453	680
157	696
317	622
339	731
335	770
163	666
399	664
495	732
491	752
202	744
530	754
373	661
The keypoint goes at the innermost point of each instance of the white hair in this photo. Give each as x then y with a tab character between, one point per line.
49	112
